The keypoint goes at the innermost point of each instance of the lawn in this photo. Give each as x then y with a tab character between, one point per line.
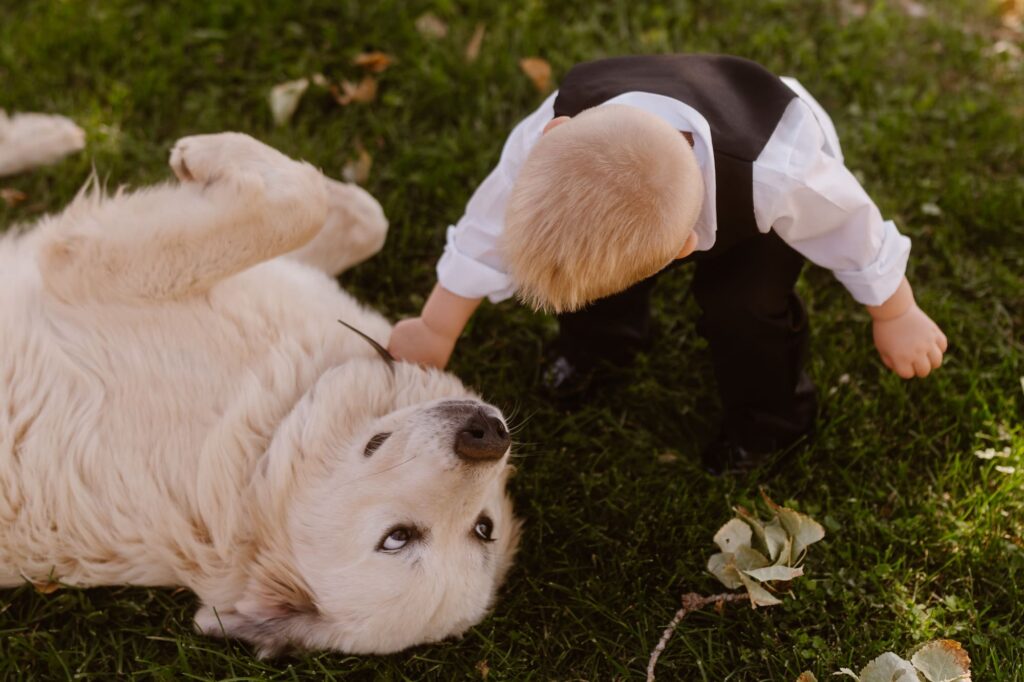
924	538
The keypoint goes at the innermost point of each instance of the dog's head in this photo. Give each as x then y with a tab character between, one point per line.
386	523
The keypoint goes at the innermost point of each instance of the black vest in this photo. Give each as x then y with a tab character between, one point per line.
741	100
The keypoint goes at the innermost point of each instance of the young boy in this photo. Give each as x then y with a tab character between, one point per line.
639	162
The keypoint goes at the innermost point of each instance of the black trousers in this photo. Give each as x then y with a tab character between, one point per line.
755	325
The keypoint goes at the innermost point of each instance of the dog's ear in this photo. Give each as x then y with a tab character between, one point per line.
273	615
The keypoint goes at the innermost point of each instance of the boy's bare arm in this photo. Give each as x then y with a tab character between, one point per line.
430	338
909	342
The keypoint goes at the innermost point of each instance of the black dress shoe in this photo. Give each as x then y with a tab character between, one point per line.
566	382
569	382
725	456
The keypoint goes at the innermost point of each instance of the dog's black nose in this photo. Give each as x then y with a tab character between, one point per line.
482	438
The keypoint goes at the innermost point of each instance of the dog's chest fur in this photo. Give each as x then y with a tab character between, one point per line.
126	429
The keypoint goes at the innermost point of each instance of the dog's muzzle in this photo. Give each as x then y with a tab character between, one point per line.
480	436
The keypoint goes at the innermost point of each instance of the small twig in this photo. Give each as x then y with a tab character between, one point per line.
691	602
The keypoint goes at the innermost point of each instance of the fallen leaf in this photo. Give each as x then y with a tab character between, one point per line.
538	71
758	595
807	676
11	196
783	573
362	92
888	668
48	587
357	170
430	26
803	529
668	457
785	557
473	46
1011	13
776	541
483	669
722	567
1005	470
733	535
374	61
942	660
748	558
931	209
284	99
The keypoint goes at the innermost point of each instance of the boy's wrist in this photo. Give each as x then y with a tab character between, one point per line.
896	305
446	314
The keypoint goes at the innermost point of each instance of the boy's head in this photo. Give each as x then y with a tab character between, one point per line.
603	201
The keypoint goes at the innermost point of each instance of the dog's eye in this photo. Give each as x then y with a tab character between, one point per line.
483	529
396	539
374	443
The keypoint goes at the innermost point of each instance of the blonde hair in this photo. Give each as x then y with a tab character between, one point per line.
601	202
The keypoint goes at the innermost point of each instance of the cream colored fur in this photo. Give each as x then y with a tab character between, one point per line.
179	406
30	140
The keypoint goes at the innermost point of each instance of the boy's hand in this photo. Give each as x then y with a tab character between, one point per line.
910	344
413	341
430	338
907	339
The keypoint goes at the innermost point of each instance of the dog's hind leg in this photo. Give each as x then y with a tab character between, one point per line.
355	230
239	203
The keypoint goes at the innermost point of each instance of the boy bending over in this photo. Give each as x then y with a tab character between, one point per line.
638	163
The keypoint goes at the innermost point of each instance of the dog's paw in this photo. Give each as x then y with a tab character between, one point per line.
29	140
207	159
54	137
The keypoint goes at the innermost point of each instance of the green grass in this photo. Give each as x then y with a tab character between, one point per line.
924	538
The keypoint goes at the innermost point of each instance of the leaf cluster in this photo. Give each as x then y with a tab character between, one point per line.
941	660
763	555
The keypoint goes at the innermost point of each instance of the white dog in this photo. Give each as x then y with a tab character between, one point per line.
179	406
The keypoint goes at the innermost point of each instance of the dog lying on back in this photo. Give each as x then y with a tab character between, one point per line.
180	407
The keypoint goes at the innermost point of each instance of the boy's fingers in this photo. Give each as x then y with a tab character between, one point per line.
942	342
935	355
905	370
921	367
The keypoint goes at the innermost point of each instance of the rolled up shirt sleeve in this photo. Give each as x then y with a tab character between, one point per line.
806	194
472	265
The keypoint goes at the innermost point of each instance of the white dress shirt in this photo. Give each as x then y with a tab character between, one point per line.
801	190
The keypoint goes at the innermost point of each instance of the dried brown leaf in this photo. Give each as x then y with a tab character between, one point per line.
362	92
1011	13
483	669
538	71
48	587
374	61
942	660
11	196
430	26
357	170
474	44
